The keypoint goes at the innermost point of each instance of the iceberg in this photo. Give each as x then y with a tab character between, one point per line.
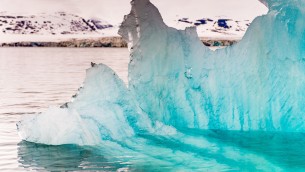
257	84
177	86
102	110
186	106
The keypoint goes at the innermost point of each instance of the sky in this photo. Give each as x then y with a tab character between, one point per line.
114	10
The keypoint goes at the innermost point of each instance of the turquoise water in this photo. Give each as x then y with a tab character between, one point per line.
32	79
248	152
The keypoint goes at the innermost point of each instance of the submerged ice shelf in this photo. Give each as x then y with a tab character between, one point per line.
176	84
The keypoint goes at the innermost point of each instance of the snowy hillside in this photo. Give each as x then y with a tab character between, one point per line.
216	27
48	27
61	26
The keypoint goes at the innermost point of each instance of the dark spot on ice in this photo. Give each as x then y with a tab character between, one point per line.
93	64
64	106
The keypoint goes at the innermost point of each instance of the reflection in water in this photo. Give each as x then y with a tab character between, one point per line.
62	158
212	149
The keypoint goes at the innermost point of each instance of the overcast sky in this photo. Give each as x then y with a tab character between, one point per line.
114	10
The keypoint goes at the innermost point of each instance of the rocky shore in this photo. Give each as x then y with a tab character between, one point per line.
115	42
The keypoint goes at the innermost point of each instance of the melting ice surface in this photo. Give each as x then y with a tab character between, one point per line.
180	93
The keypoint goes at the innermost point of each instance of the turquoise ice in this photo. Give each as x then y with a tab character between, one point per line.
181	92
257	84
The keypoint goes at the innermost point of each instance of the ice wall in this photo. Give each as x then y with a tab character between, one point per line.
175	82
257	84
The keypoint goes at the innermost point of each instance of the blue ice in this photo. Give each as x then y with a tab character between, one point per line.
177	86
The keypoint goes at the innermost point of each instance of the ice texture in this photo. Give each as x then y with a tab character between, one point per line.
257	84
176	83
102	110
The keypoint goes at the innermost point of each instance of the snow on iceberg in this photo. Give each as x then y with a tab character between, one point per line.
175	82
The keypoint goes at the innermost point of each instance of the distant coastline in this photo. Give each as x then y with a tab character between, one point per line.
114	42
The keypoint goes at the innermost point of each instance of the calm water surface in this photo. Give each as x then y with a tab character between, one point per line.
32	79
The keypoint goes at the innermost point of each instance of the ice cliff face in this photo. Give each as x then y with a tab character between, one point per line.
257	84
176	82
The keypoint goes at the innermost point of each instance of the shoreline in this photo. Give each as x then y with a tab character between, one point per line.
113	42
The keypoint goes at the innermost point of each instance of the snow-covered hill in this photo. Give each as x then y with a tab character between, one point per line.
52	27
61	26
59	23
223	28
